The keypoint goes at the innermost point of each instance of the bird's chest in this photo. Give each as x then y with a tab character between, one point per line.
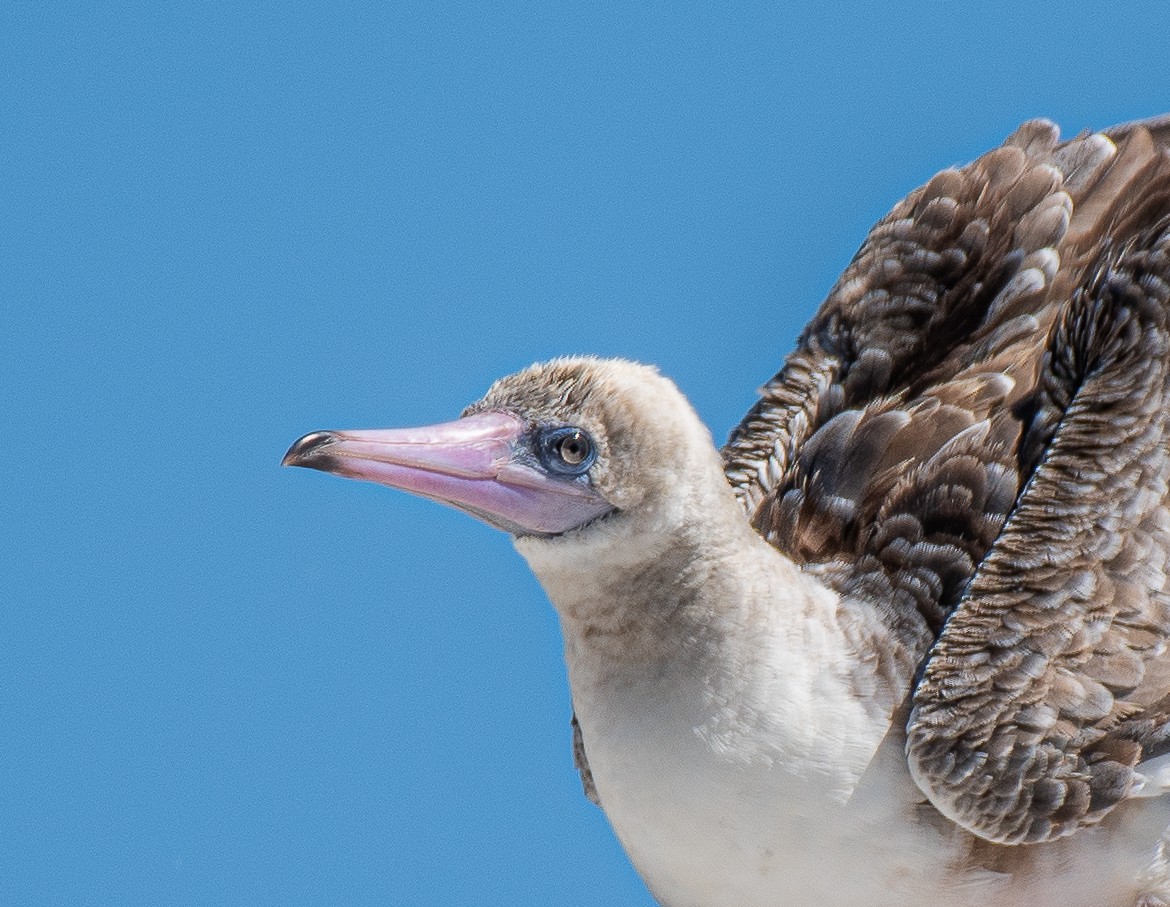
704	838
728	820
711	806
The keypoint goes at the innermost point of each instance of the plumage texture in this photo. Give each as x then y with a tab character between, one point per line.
951	686
903	642
971	437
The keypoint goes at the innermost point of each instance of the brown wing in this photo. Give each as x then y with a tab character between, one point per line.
581	763
1048	683
886	450
1158	127
926	409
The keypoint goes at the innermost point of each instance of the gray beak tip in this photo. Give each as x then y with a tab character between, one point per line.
307	449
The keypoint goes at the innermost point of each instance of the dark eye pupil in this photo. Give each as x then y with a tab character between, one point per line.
565	450
573	449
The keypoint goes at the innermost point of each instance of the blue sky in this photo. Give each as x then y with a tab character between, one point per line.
223	682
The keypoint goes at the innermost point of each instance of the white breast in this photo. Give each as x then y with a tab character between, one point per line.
729	779
729	790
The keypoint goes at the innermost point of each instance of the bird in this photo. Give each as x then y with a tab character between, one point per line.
902	640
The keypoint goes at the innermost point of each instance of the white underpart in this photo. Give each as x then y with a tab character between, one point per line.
1153	777
738	766
738	747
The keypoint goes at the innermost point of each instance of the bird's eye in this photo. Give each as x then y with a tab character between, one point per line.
573	449
567	450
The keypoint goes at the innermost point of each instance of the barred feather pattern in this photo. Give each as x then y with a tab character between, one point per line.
969	445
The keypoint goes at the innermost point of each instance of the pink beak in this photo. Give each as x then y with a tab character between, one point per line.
480	464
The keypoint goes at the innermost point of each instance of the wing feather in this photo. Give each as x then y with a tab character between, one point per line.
883	378
1036	687
969	445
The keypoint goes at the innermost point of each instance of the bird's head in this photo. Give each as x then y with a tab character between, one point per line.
578	446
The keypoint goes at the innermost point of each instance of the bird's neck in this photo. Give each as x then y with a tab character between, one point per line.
720	713
709	634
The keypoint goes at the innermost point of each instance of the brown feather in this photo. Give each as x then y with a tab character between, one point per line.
971	440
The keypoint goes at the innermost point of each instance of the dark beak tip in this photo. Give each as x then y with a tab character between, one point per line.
306	448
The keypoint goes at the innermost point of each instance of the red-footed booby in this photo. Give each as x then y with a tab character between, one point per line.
903	641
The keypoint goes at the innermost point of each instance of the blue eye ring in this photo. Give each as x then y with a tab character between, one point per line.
567	451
